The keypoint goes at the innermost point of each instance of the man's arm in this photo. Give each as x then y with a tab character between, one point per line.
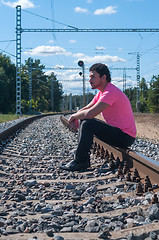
89	105
88	113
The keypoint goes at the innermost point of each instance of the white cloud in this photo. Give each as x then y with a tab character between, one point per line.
70	79
118	81
51	41
78	55
73	83
24	3
54	69
72	41
103	59
108	10
65	74
80	10
100	48
47	51
56	50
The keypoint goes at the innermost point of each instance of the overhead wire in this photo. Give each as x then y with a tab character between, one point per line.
53	26
7	52
9	42
53	21
46	18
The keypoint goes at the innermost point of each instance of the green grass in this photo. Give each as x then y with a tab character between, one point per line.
7	117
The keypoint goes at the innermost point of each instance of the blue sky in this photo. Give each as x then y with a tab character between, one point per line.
117	50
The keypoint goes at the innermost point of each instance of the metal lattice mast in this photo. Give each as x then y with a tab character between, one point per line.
19	30
18	60
138	82
84	88
30	84
52	94
138	77
91	30
124	79
70	105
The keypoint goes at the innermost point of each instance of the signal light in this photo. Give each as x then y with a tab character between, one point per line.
81	63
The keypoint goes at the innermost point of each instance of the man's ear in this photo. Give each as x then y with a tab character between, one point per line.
104	77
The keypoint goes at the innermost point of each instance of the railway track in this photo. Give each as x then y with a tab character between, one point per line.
117	198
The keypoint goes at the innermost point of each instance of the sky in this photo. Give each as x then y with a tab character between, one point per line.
64	50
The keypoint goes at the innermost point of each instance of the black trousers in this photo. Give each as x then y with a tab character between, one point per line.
105	132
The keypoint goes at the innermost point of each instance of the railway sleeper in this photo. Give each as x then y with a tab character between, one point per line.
125	170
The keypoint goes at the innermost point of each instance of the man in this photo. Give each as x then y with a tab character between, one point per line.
118	128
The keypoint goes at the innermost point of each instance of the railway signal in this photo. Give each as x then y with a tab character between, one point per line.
81	64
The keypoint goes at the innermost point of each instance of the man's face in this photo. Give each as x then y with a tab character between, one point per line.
95	80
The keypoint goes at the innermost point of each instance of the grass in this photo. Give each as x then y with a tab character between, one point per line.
10	117
7	117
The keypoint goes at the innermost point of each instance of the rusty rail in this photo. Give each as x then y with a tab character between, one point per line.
145	165
103	155
10	131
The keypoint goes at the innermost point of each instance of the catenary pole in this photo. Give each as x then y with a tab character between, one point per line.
20	30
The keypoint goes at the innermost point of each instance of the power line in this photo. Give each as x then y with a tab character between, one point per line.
8	41
151	49
68	80
20	30
8	53
46	18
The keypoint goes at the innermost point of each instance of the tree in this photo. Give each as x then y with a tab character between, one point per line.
7	85
55	94
153	95
131	94
143	95
41	87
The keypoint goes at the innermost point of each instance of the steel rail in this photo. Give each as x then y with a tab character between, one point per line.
145	165
10	131
13	179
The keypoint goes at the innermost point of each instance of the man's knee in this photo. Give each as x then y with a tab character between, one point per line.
86	123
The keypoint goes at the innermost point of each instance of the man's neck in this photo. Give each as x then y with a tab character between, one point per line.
102	87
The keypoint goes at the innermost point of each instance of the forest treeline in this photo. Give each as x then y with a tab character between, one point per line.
48	95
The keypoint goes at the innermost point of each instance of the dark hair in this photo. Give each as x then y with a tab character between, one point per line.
101	69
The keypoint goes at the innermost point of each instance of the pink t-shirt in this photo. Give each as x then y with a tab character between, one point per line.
119	112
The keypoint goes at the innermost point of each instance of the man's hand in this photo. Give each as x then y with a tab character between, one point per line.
74	124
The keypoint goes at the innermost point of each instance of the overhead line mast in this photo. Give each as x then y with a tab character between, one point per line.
20	30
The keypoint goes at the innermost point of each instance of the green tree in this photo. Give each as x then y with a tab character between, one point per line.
41	87
38	79
7	85
55	94
143	95
153	95
131	94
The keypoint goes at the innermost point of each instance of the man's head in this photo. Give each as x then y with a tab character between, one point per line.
101	69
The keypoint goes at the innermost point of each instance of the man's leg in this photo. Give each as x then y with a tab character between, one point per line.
105	132
82	158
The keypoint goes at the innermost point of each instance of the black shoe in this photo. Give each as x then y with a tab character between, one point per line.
75	166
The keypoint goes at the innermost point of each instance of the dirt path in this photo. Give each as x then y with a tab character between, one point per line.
147	125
